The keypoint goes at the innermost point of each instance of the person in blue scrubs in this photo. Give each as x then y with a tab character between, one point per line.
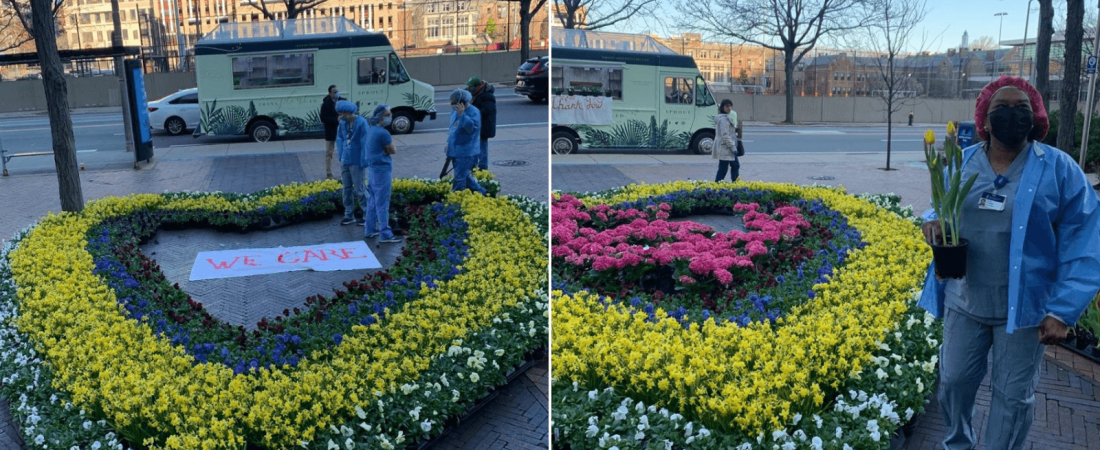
463	142
1033	265
351	139
376	158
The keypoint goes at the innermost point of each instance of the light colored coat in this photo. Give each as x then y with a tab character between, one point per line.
725	137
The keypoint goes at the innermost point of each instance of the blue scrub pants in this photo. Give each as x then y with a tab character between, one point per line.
353	189
734	168
1016	361
483	158
463	178
380	187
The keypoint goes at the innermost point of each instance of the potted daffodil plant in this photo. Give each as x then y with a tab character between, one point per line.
948	193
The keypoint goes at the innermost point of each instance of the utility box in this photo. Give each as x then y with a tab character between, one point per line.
966	134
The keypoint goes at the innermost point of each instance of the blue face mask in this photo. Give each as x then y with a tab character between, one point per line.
336	94
386	121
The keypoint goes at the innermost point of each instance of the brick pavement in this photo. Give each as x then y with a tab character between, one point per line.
1067	415
512	418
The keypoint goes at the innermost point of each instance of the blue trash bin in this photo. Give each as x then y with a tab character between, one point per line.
966	134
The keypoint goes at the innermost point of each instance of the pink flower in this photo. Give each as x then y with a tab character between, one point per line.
687	280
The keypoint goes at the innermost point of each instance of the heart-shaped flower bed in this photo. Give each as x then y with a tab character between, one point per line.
97	346
800	331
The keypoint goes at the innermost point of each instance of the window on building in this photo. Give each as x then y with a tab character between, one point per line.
464	26
448	6
433	28
501	12
125	33
703	55
98	19
99	36
87	36
679	90
431	8
372	70
834	76
448	26
462	6
265	71
390	19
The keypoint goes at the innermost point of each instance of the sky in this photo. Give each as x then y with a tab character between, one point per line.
943	25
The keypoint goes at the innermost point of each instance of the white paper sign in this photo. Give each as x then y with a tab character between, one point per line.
259	261
579	109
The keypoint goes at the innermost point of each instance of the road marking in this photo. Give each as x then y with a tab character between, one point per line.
188	145
905	140
817	131
86	151
510	125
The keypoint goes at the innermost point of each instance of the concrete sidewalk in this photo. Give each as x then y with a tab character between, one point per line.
1067	413
518	418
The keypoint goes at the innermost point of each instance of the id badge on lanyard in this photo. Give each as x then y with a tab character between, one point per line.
992	201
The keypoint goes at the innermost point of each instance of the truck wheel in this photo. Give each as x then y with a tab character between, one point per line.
563	143
703	143
262	131
403	122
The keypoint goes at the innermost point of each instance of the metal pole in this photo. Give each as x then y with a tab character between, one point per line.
120	71
1023	51
1089	98
1001	26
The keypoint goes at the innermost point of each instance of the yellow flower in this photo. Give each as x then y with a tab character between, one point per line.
951	128
929	137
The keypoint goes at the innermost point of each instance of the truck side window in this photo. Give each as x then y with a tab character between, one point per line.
679	91
264	71
372	70
397	70
702	94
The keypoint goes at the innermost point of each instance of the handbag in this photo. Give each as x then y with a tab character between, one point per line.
448	164
740	148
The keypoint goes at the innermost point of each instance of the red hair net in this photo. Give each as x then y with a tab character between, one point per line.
1041	121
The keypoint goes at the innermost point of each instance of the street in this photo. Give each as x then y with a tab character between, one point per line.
103	132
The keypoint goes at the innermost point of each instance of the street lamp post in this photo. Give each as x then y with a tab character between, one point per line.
999	28
1023	55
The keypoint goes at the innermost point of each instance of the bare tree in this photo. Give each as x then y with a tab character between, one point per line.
1042	49
888	35
16	22
57	104
1071	78
984	43
527	11
798	24
294	8
596	14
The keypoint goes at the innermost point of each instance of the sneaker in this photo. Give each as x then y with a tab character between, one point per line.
360	222
392	239
371	235
347	221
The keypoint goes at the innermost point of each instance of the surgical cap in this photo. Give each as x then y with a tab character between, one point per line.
376	115
344	106
461	95
1041	121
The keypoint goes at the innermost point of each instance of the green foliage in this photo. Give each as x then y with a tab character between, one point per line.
230	120
743	78
636	134
1090	320
420	102
948	189
299	125
1092	154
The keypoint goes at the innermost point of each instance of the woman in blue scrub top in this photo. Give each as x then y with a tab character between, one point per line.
1033	265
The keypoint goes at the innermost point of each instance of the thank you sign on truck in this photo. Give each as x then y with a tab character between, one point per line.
581	109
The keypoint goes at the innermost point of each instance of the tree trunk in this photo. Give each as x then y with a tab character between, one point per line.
788	71
1042	50
525	14
57	105
1071	78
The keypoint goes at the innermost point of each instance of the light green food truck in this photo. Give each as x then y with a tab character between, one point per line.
658	99
268	78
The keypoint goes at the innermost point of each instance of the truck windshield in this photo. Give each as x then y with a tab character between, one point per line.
702	94
397	70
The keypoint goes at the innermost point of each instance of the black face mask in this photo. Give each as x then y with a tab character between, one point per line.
1011	125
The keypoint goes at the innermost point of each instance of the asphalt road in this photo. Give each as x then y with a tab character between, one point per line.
103	132
847	138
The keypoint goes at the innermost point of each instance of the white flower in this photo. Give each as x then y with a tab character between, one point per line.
839	432
474	377
880	373
87	424
96	445
897	369
415	413
426	426
801	435
875	436
687	429
499	352
816	443
366	427
797	418
847	447
639	435
592	431
332	445
359	412
349	444
38	440
788	445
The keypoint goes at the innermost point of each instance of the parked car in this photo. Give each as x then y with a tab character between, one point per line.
176	113
532	78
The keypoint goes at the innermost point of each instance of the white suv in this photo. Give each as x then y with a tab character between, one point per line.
175	113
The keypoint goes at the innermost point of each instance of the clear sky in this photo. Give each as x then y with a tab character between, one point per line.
946	20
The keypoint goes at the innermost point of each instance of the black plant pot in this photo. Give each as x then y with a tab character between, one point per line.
950	260
1085	340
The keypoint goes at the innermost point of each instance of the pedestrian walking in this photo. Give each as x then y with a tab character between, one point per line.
462	141
331	121
351	140
1033	260
910	118
484	98
376	158
727	142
